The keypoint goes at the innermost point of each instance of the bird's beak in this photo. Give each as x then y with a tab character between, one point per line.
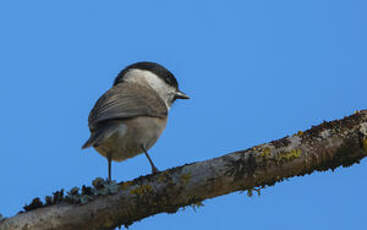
181	95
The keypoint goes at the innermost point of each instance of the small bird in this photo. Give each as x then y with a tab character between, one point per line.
129	118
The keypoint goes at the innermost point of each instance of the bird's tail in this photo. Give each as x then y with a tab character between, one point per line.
95	139
98	137
88	143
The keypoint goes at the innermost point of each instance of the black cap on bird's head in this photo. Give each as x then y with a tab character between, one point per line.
155	68
158	70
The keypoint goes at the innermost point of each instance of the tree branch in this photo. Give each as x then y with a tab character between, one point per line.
326	146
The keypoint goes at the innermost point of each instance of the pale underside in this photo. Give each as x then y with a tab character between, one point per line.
130	135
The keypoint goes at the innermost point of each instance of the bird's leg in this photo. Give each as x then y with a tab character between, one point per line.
154	169
109	166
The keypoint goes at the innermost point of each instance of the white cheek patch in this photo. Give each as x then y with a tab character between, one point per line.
165	91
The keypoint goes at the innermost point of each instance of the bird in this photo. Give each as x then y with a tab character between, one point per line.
129	118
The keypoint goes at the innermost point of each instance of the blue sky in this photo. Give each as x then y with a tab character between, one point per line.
256	71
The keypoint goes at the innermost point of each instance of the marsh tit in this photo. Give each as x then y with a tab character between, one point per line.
129	118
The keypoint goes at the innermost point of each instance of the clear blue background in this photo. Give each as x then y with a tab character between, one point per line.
256	71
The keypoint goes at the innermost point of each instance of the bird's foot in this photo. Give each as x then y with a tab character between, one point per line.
155	170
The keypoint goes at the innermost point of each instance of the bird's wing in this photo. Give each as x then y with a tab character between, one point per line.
127	100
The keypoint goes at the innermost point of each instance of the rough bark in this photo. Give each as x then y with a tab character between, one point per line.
326	146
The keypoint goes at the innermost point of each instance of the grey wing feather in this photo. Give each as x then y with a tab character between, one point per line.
124	101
